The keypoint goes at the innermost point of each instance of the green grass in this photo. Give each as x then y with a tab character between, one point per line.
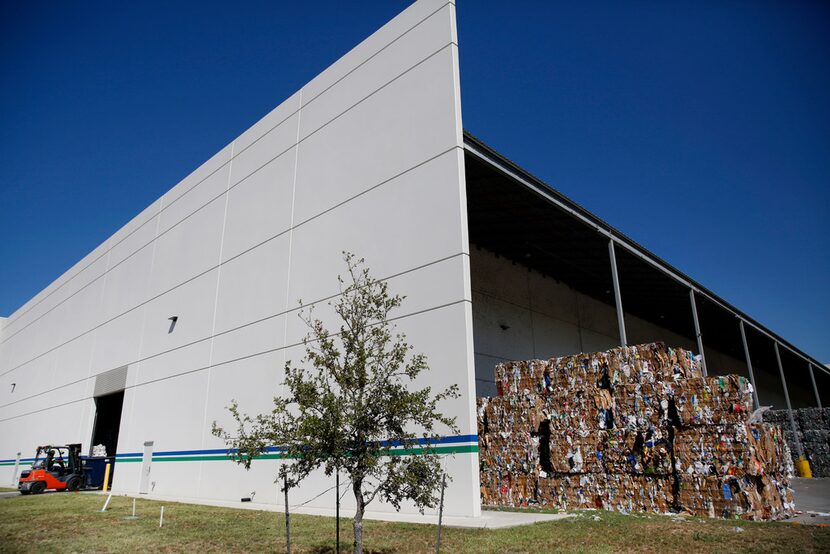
65	522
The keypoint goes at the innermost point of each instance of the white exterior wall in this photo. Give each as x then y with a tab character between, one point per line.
546	318
368	158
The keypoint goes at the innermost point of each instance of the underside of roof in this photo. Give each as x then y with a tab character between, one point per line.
519	217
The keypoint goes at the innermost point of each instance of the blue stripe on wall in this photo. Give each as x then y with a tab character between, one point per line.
272	449
22	460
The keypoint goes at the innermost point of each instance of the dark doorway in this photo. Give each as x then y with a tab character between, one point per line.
108	421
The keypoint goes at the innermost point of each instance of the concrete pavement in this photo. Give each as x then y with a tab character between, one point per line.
812	498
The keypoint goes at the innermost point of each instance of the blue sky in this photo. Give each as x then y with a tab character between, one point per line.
700	129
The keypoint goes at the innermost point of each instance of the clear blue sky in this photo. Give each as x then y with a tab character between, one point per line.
700	129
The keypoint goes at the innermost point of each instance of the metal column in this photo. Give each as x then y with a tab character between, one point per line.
697	332
815	388
617	298
749	366
789	406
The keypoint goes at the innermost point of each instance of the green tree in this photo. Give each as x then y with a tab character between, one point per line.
350	405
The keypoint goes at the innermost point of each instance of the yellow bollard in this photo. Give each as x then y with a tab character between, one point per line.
802	467
106	477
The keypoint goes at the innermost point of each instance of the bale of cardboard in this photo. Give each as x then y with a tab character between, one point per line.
812	430
631	429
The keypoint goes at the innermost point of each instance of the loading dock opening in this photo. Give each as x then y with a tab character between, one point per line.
107	421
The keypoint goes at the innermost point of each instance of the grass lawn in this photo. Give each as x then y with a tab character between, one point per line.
65	522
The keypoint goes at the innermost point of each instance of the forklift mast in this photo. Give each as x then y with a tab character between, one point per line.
75	458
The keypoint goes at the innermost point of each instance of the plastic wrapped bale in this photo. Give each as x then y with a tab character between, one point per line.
778	417
641	452
712	400
809	418
816	444
819	465
812	432
814	435
817	436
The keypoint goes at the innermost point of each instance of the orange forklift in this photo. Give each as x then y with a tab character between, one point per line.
55	467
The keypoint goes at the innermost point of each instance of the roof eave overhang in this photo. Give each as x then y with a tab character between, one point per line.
498	162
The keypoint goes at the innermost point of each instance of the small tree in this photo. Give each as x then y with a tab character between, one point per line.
352	410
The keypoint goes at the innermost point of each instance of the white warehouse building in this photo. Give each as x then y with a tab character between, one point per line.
142	344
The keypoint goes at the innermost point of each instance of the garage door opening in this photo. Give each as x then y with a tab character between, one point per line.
108	421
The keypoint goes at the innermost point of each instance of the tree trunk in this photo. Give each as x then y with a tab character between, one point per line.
358	518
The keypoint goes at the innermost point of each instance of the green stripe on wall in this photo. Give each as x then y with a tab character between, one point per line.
220	457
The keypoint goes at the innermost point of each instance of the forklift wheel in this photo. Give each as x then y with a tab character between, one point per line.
25	492
73	484
38	487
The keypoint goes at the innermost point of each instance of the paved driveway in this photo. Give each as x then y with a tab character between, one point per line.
812	496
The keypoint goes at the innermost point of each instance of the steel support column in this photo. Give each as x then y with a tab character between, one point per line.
749	366
697	332
789	405
815	388
617	297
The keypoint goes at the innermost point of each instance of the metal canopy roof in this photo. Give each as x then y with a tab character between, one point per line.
518	216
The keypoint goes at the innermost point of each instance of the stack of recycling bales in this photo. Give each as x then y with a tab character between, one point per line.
812	428
631	429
